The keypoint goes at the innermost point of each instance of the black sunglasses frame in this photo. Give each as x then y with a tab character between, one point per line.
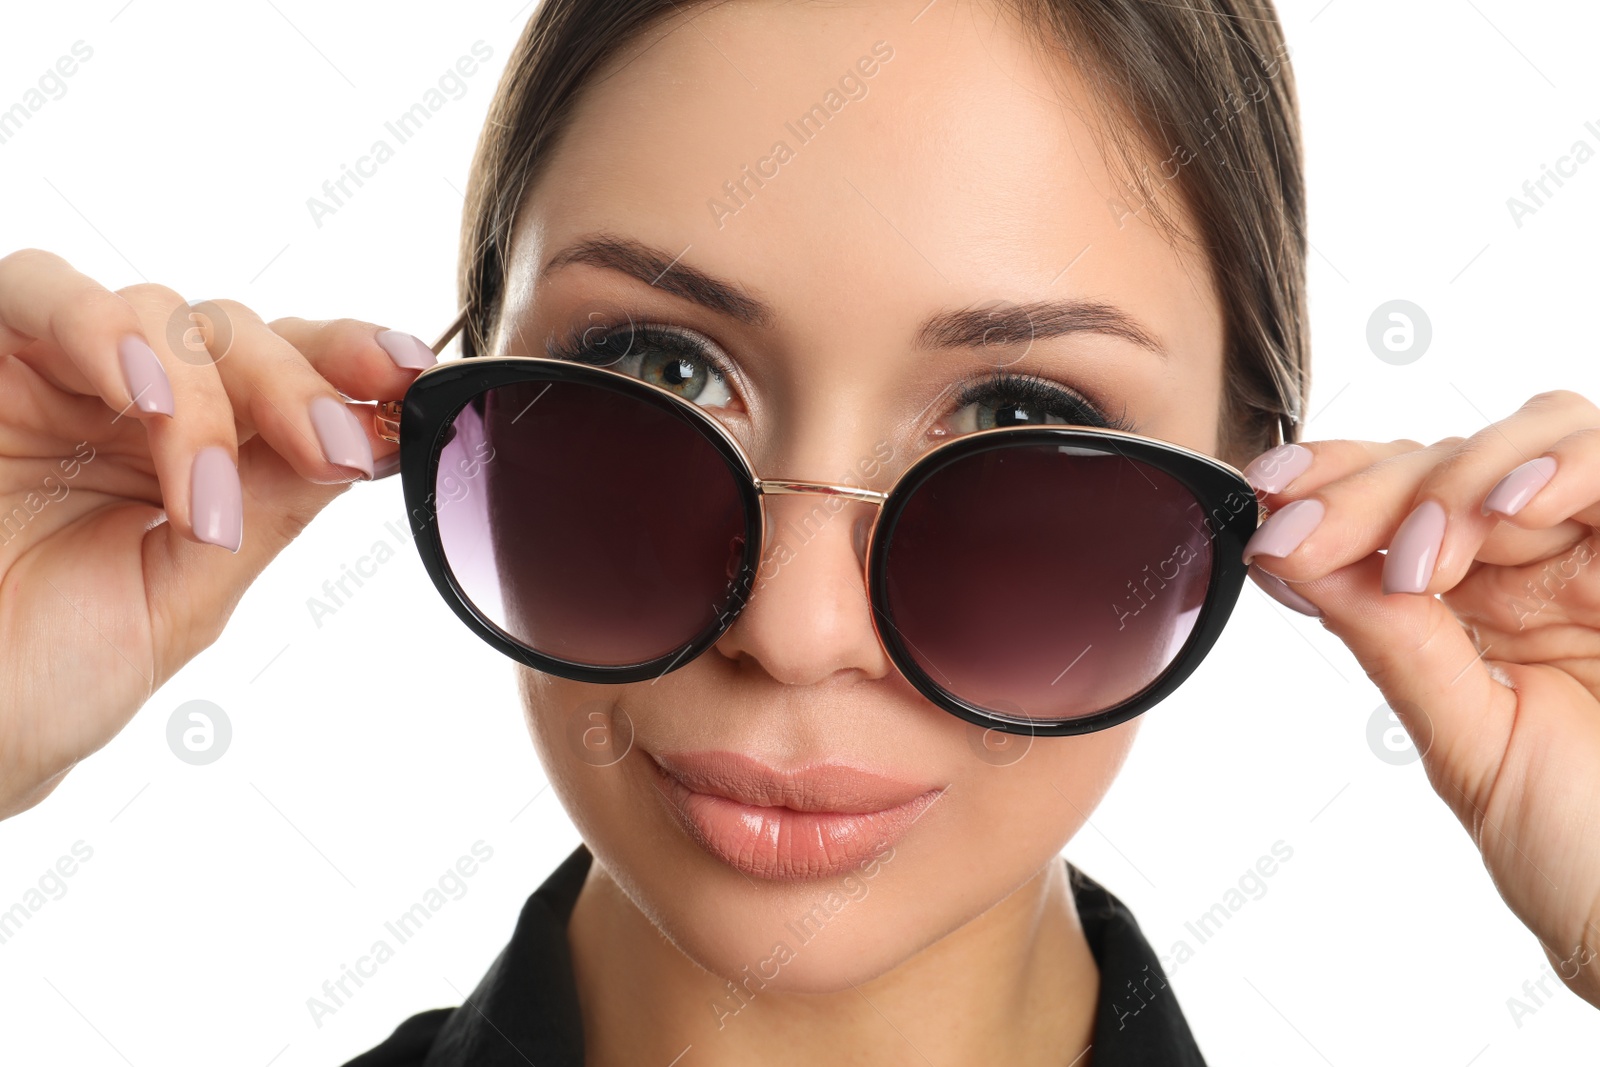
434	398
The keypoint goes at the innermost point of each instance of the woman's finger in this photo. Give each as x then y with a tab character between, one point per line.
1457	704
1342	520
1297	468
80	336
198	586
196	453
1555	487
1357	515
277	393
363	361
1448	517
1424	506
37	413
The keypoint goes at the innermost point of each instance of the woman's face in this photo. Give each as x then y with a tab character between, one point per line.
942	165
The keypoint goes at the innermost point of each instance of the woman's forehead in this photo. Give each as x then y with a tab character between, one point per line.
845	128
862	168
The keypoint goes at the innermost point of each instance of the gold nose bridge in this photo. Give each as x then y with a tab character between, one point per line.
766	487
783	487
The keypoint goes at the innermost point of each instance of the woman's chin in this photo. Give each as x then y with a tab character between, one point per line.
760	957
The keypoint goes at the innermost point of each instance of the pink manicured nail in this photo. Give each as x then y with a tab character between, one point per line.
146	379
343	441
1274	469
1511	493
215	499
1279	590
1408	565
1285	528
407	350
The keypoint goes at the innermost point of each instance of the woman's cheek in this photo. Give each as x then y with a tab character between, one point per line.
1050	783
1047	796
580	738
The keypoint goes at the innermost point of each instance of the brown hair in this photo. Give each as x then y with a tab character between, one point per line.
1205	87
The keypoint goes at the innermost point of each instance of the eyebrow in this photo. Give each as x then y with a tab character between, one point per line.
998	323
663	271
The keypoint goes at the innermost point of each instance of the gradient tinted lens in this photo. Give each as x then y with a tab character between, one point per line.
588	524
1047	582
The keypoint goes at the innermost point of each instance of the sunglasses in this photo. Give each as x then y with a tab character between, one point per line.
1032	579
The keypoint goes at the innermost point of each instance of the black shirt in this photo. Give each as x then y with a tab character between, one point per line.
525	1010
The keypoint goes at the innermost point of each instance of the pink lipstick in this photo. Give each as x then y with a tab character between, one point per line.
814	822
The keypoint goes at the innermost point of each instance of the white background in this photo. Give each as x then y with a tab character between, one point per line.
372	752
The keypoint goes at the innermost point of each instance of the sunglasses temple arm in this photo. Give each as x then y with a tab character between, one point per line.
386	419
449	334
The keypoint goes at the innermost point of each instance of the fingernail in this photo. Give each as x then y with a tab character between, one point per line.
1285	528
1279	590
1511	493
1408	565
146	379
407	350
343	440
386	466
1274	469
215	499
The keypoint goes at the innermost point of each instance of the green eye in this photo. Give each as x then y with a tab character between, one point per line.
684	375
1012	413
1003	399
676	360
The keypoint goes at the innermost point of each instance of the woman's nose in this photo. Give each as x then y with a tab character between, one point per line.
807	616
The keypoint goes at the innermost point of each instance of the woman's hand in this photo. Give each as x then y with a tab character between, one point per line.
152	462
1497	678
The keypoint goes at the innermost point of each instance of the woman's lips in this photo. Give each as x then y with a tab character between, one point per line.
806	824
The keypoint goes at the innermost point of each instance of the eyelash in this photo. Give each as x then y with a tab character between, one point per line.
582	348
994	387
997	386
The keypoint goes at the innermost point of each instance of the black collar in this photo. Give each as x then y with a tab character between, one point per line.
525	1010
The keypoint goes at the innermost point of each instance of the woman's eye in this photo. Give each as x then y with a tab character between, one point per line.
1010	400
986	415
663	356
690	376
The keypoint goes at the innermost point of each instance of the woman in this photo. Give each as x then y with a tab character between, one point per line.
927	222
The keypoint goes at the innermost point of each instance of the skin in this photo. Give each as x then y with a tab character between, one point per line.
964	925
965	948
